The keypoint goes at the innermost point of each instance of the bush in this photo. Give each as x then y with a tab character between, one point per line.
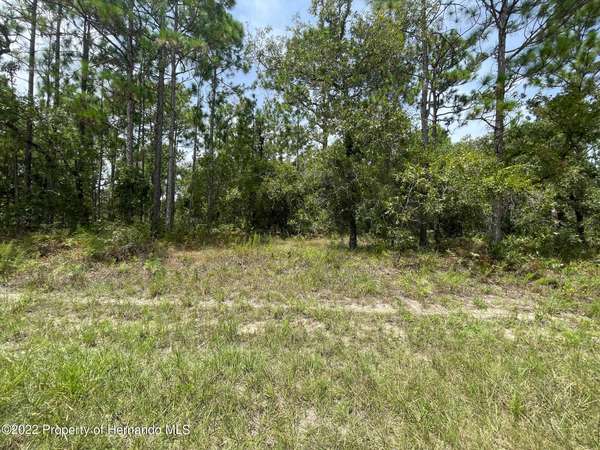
132	193
116	243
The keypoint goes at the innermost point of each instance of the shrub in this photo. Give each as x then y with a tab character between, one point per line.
115	243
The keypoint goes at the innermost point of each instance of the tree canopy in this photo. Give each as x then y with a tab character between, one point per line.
133	111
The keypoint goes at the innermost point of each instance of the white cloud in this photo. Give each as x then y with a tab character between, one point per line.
276	14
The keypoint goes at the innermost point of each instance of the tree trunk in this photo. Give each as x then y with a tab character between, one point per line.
83	151
15	176
577	206
113	176
423	240
500	94
85	56
57	39
158	132
142	124
197	120
434	117
98	203
353	240
142	130
30	87
47	75
98	199
352	189
211	150
424	104
170	212
196	129
437	235
130	68
580	226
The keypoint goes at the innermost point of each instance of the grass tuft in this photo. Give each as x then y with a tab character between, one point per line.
299	344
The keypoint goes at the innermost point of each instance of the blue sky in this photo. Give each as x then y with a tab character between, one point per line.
279	14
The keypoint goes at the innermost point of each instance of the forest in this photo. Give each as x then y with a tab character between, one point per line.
376	227
131	112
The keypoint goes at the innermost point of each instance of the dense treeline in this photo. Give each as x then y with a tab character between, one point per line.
130	111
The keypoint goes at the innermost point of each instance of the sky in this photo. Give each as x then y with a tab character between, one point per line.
280	14
276	14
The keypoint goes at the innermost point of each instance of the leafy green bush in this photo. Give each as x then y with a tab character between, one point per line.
46	242
132	193
115	243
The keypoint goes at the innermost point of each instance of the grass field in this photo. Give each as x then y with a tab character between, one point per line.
301	344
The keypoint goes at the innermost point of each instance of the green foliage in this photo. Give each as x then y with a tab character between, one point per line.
132	195
114	243
272	206
558	214
450	189
339	185
157	276
333	148
10	258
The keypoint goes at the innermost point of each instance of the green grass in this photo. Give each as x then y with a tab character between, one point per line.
300	344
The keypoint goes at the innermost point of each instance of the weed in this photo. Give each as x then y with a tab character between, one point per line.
299	344
11	256
479	303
